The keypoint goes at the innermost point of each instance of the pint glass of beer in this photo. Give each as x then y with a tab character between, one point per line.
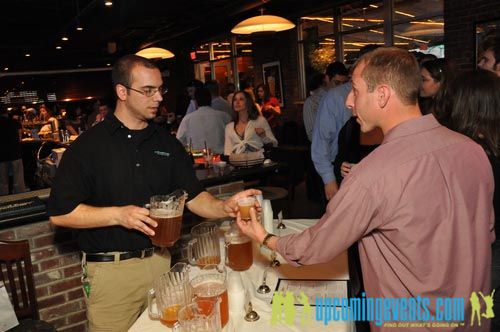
167	211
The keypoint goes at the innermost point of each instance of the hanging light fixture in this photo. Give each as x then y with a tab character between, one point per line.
155	53
262	23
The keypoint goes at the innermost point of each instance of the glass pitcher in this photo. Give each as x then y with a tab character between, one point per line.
238	249
211	284
204	249
167	211
199	316
172	290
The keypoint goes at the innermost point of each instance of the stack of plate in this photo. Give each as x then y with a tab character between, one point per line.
246	159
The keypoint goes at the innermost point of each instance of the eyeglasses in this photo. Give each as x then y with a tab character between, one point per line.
149	91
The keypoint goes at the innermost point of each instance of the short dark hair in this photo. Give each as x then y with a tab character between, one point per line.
253	112
492	43
474	101
213	87
317	80
395	67
202	97
336	68
123	68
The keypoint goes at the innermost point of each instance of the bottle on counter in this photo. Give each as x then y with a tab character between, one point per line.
190	151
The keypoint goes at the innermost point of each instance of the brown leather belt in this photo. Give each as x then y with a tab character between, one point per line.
123	256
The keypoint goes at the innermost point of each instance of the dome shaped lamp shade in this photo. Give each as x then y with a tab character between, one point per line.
155	53
262	23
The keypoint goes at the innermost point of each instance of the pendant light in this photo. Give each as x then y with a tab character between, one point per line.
262	23
155	53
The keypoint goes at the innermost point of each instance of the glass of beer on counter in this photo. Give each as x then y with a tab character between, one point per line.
167	211
203	248
211	285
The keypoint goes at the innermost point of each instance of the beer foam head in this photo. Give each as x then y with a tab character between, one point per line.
164	213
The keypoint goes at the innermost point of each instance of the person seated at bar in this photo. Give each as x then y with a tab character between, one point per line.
269	105
249	131
102	183
74	123
102	111
424	224
205	127
46	116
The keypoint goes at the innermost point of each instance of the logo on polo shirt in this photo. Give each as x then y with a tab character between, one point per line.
161	153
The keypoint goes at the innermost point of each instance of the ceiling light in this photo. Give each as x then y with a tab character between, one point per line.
108	3
108	64
262	23
6	68
65	38
27	55
58	47
155	53
79	28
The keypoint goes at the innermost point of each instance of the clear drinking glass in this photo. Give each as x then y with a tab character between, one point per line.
204	249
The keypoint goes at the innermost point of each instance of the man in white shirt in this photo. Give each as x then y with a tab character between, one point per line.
206	125
218	103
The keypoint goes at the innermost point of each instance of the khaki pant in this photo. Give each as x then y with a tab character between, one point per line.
118	290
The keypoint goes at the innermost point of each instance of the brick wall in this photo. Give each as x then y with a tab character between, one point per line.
57	271
459	34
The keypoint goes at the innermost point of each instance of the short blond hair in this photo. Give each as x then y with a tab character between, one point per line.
395	67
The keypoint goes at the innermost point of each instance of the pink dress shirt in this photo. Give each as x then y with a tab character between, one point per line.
421	207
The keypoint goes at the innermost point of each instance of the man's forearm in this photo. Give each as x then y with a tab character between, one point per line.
207	206
86	216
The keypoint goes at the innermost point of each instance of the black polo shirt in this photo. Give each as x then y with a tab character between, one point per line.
111	165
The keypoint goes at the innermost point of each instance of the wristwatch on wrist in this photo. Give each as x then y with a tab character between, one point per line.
266	239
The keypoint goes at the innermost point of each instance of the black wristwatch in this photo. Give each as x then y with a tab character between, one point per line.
266	239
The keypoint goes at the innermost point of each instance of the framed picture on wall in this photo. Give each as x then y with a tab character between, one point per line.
271	73
484	30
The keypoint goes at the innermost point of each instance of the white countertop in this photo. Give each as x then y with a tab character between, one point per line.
252	278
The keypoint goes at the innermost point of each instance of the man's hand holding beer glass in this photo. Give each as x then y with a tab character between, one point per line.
254	229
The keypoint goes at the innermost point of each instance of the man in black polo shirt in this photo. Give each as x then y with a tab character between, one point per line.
105	177
10	154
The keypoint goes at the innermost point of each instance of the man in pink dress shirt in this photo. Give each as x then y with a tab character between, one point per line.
420	205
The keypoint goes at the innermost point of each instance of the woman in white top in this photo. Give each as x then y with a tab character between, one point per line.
250	131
